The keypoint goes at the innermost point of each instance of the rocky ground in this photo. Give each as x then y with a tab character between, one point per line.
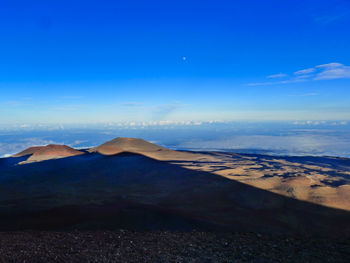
161	246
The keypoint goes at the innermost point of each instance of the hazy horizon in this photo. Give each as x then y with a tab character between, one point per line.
274	138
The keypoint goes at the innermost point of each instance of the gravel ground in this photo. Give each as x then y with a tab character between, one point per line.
161	246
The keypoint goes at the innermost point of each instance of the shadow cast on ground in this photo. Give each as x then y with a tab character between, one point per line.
94	191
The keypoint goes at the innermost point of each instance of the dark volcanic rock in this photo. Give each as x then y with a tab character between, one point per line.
164	246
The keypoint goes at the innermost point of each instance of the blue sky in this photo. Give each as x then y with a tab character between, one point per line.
111	61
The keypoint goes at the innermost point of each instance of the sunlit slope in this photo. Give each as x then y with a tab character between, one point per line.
51	151
320	180
140	146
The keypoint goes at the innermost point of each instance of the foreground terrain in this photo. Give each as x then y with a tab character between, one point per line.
131	183
164	246
59	204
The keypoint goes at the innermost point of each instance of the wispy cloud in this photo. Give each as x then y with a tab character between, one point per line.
305	71
330	65
287	81
320	72
333	71
280	75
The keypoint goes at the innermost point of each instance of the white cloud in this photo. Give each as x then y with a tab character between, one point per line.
305	71
320	72
292	80
330	65
334	72
280	75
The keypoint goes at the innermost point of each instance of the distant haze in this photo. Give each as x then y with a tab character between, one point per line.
283	138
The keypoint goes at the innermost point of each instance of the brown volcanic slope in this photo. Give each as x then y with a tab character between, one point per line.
51	151
320	180
140	146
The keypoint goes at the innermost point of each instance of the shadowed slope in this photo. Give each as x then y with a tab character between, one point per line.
130	190
51	151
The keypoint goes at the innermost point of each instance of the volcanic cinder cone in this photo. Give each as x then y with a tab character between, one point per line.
140	146
51	151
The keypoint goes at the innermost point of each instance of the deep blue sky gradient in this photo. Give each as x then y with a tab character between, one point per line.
92	61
